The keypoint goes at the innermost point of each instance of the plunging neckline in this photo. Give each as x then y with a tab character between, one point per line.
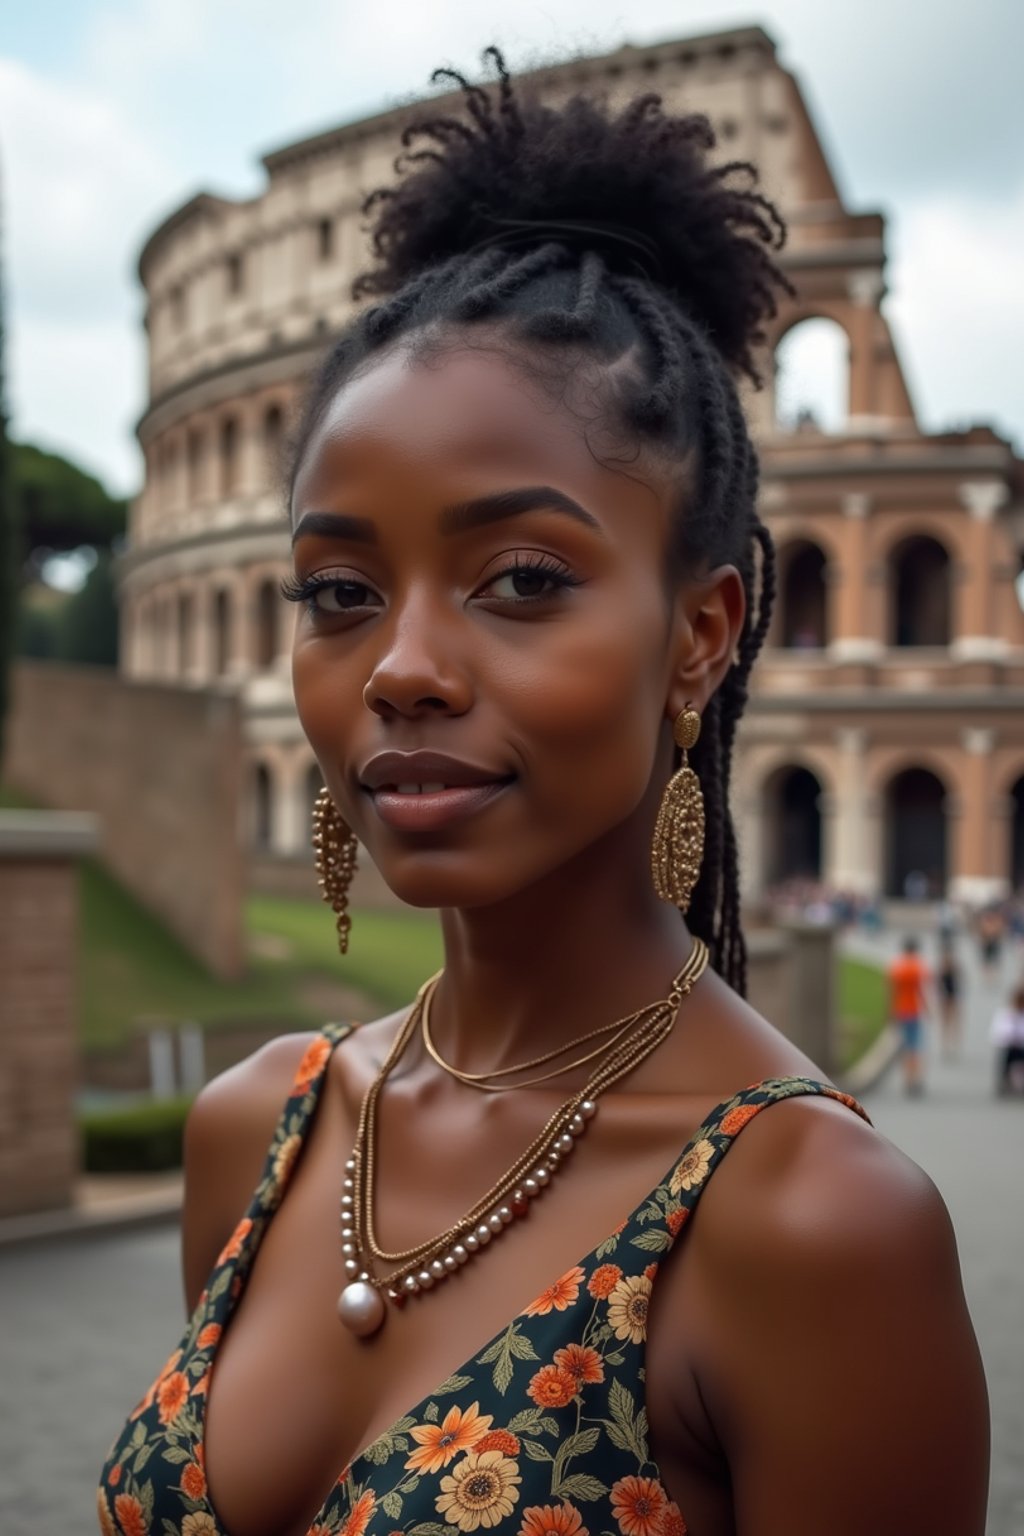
260	1218
336	1034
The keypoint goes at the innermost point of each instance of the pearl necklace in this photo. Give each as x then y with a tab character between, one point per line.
361	1305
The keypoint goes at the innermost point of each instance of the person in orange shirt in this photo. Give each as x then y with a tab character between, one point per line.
908	977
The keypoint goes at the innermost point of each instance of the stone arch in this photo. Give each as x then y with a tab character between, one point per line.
261	807
916	833
273	442
185	617
222	622
920	582
792	819
195	457
1017	834
812	376
229	456
802	619
268	623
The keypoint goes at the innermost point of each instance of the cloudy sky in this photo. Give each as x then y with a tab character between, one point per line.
112	112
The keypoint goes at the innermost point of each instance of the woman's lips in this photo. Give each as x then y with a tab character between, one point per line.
419	808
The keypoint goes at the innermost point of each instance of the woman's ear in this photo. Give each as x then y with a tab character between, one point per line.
709	621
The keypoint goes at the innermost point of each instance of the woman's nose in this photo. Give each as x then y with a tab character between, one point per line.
422	670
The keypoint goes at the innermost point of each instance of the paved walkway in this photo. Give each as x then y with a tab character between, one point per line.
85	1321
972	1145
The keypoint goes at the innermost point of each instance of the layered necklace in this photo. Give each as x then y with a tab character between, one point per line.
362	1305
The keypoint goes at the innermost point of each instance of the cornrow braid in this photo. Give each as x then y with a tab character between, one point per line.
561	287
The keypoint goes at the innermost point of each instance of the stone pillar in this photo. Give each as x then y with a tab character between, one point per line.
852	639
976	619
39	1155
849	866
203	644
290	833
973	877
865	289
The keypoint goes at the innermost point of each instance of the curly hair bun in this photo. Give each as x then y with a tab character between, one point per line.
702	231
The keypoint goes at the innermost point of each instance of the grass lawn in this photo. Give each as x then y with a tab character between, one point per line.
863	1005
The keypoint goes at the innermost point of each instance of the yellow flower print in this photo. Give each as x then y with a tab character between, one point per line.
103	1511
627	1308
694	1167
479	1491
285	1156
199	1524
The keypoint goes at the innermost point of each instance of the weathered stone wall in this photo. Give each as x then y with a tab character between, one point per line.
38	963
160	766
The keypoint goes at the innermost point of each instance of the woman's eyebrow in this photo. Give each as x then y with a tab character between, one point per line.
335	525
502	504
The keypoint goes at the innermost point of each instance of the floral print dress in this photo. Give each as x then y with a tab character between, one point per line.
543	1433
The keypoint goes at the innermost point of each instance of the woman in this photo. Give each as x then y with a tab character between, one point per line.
526	548
1007	1034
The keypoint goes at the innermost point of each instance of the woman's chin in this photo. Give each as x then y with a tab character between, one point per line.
441	880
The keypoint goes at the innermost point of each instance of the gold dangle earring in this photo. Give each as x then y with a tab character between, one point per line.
678	845
336	849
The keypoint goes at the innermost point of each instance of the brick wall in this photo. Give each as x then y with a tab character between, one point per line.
38	957
160	767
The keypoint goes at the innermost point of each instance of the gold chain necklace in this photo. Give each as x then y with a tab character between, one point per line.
361	1304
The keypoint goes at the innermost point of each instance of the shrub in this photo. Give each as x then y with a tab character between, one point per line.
140	1138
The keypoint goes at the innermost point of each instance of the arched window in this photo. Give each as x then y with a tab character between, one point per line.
915	825
803	618
221	632
266	624
262	809
812	378
325	239
273	441
1017	835
195	453
186	629
793	826
228	456
920	593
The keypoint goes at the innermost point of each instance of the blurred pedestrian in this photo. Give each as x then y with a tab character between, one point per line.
1008	1038
947	978
990	929
908	978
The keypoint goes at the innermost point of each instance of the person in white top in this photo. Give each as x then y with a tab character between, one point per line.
1007	1036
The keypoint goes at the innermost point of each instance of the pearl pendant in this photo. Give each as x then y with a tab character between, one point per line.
361	1308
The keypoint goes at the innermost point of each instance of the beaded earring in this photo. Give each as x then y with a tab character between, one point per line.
678	846
336	849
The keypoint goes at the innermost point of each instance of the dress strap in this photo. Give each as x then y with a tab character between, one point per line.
706	1148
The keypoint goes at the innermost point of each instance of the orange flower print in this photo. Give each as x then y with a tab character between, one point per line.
202	1386
172	1396
359	1517
552	1387
558	1296
233	1247
580	1362
737	1118
210	1334
638	1504
676	1220
131	1517
311	1064
650	1271
285	1157
114	1475
627	1308
604	1280
106	1519
193	1481
672	1522
553	1520
693	1169
439	1443
498	1440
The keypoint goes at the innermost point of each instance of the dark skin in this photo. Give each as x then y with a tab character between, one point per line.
811	1363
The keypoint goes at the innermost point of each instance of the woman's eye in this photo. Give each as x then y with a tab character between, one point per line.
340	596
528	580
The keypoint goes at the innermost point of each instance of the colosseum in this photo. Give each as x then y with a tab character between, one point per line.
885	743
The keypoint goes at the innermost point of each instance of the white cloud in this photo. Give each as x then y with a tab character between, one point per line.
957	310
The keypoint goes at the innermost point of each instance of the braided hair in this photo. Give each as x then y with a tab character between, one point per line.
500	220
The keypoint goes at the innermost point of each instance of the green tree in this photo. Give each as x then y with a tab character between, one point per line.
87	623
60	507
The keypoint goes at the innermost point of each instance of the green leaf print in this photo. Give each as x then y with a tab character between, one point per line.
391	1504
580	1486
527	1422
430	1413
429	1528
608	1246
535	1451
501	1353
627	1430
218	1287
453	1384
650	1212
177	1455
573	1445
654	1241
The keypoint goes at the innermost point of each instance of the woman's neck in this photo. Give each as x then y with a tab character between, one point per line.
585	946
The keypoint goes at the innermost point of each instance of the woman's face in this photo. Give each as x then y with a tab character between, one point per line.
485	665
